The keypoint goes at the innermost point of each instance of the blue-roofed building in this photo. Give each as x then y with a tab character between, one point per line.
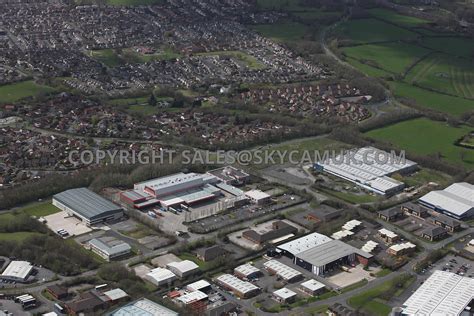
143	307
88	206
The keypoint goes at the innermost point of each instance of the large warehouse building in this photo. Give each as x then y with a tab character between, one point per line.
456	201
18	271
318	253
88	206
368	169
444	293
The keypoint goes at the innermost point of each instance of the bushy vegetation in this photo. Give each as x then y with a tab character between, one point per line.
123	278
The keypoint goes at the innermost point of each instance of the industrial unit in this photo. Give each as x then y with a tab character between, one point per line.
17	271
240	288
456	201
443	293
160	276
285	272
318	253
365	168
143	307
247	271
183	268
88	206
109	248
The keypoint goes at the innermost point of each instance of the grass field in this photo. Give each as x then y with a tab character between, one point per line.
425	137
433	100
455	46
392	57
19	236
367	69
351	198
250	61
138	105
40	209
106	56
287	5
282	32
369	300
14	92
372	30
395	18
446	74
134	2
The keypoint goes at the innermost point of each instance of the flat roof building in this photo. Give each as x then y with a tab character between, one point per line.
183	268
230	175
17	271
401	249
192	297
109	248
284	295
367	168
258	197
443	293
88	206
240	288
456	201
312	287
278	229
201	285
143	307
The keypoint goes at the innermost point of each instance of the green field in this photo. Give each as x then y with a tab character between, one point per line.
19	236
395	18
432	100
40	209
106	56
14	92
446	74
367	69
134	2
372	30
455	46
425	137
250	61
282	32
287	5
392	57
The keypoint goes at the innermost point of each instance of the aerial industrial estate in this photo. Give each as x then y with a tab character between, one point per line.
250	157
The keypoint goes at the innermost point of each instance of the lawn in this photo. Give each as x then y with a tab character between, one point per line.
424	176
369	300
134	2
16	91
445	74
395	18
18	236
351	198
367	69
140	232
250	61
372	30
454	46
40	209
392	57
433	100
425	137
287	5
108	57
164	53
282	32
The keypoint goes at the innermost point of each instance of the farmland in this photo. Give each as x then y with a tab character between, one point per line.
281	32
17	91
426	137
436	71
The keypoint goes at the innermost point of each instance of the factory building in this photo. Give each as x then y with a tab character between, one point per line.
240	288
456	201
109	248
443	293
18	271
88	206
318	253
367	168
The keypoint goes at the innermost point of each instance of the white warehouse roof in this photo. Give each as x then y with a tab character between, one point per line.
457	199
313	285
198	285
246	269
183	266
160	275
257	195
444	293
284	293
192	297
304	243
18	269
116	294
236	283
282	270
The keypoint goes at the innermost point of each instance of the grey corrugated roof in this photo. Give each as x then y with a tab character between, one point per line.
329	252
87	203
110	247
